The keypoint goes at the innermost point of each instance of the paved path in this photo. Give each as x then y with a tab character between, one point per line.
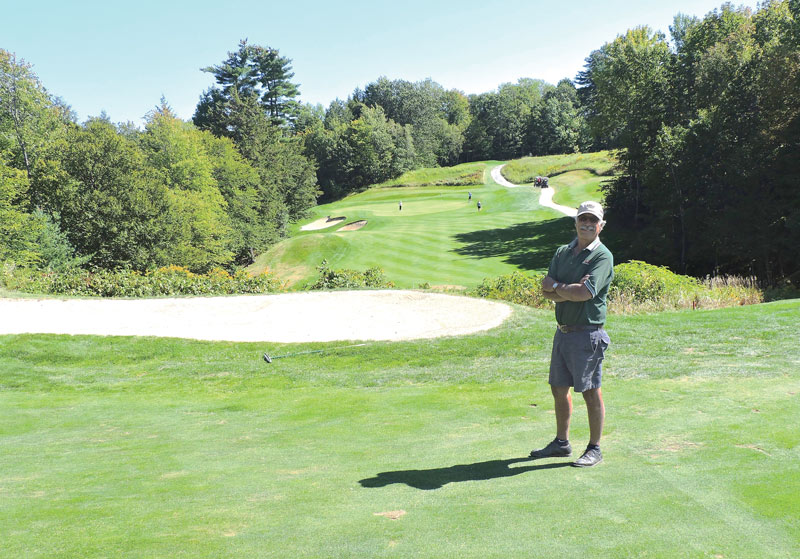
501	180
545	197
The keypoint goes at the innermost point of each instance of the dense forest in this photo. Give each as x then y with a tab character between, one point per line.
707	128
709	138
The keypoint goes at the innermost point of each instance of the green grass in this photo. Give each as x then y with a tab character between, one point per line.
140	447
466	174
439	237
525	170
144	447
575	187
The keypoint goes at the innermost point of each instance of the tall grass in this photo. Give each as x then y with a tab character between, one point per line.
637	287
466	174
711	293
525	170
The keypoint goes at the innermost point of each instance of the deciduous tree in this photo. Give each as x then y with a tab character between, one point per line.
112	207
175	150
29	116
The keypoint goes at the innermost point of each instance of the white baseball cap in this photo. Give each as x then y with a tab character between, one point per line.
591	208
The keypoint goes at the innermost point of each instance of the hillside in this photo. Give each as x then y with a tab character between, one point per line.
439	237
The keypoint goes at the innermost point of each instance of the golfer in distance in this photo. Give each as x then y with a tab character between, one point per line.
578	280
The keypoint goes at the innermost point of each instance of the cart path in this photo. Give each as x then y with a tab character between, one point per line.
545	197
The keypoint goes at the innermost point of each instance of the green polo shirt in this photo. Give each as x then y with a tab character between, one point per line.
597	262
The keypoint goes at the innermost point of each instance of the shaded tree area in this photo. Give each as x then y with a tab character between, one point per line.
709	133
530	117
529	246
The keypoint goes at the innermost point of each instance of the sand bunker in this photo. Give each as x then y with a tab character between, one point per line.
353	226
290	317
322	223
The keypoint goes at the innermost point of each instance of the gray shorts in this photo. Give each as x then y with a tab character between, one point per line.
577	359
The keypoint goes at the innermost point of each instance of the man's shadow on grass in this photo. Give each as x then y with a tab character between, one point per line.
435	478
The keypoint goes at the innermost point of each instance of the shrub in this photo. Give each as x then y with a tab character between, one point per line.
647	283
172	280
784	290
515	287
349	279
637	287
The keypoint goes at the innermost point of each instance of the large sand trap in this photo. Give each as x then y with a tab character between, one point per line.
356	225
322	223
290	317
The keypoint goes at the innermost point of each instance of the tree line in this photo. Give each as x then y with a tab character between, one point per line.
100	195
706	129
709	136
392	126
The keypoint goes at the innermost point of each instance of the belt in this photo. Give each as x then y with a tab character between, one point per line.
566	328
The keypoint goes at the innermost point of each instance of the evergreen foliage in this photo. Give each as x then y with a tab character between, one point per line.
253	106
253	72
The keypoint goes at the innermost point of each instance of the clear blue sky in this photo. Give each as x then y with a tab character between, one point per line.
121	56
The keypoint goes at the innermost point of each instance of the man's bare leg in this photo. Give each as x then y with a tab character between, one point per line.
563	406
597	414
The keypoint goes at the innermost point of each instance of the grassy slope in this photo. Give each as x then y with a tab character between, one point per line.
526	169
131	447
439	237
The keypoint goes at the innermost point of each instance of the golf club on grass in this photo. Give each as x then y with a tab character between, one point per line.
268	358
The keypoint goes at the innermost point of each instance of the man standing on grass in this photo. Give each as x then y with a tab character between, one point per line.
578	280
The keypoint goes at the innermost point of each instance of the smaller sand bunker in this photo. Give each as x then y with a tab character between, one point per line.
353	226
322	223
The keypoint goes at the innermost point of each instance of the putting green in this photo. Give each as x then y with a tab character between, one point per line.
409	208
414	204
